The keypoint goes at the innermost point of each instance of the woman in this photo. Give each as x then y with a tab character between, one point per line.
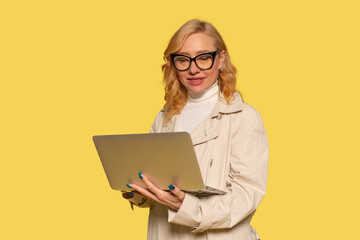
228	136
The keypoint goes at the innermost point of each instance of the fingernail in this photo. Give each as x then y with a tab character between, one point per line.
131	193
171	187
140	175
128	186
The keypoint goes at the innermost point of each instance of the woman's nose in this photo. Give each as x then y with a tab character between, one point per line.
193	68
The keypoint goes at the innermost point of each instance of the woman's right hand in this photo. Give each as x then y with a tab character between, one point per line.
172	199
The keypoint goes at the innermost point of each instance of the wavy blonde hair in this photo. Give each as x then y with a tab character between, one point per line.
175	93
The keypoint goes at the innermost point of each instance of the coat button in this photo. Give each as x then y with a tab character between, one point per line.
211	162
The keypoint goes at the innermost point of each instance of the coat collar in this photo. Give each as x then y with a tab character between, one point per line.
222	107
209	128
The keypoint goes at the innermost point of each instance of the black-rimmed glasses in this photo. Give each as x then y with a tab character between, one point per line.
203	61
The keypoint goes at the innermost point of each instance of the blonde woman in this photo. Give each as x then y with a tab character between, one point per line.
228	136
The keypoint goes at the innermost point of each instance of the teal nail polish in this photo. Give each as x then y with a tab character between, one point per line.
140	175
128	186
131	193
171	187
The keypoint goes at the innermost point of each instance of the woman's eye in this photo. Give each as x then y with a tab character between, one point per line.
182	60
205	58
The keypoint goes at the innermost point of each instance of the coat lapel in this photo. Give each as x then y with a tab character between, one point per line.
204	132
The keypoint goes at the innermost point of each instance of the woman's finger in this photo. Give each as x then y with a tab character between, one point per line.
177	192
133	191
171	200
146	193
154	189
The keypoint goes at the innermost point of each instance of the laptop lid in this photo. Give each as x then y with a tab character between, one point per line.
166	158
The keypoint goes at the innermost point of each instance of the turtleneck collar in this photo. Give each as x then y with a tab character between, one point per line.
207	94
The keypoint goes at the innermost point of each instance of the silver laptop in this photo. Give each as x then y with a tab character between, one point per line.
166	158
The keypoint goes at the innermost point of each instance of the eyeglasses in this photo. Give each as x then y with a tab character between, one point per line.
203	61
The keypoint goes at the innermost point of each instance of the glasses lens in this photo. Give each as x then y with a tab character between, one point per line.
204	61
181	62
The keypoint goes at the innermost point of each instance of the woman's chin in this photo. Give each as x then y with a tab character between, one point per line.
196	90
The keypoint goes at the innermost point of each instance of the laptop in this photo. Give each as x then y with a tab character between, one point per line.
165	158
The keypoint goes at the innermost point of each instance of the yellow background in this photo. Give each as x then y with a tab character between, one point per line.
73	69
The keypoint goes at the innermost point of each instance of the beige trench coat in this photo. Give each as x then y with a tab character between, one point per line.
232	150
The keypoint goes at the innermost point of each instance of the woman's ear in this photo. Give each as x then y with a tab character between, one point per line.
222	57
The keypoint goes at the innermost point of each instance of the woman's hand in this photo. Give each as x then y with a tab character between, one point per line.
172	199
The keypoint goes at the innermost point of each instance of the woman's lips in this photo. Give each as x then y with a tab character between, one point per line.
195	81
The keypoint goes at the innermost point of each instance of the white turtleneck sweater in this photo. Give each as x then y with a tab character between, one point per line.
197	108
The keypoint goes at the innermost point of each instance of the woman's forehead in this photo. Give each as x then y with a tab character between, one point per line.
198	43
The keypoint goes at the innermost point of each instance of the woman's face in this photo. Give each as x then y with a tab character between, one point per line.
194	79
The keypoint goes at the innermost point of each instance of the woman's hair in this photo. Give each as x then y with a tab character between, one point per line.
175	92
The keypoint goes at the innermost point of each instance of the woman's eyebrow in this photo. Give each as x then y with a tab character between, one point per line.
197	52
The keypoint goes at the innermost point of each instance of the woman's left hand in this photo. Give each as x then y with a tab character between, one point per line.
172	199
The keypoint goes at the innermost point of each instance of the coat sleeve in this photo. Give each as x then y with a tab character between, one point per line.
246	182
